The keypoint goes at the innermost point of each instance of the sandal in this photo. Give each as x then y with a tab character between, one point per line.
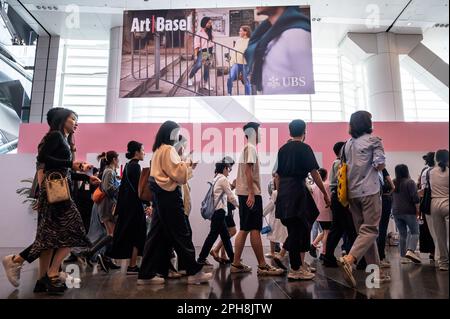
216	257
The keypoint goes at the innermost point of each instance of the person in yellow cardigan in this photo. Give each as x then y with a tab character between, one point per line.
168	172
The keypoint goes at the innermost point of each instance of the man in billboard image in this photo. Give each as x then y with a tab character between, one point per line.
280	53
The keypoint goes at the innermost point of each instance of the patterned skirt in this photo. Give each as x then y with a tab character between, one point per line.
59	226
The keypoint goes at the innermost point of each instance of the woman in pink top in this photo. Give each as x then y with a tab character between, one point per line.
203	50
325	217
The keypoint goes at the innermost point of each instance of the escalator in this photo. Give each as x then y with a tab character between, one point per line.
16	77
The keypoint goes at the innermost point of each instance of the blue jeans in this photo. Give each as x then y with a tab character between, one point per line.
233	76
408	228
198	65
315	230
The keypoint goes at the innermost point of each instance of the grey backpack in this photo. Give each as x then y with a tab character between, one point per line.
208	207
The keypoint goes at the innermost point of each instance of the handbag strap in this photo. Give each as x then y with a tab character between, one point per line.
343	157
220	197
128	180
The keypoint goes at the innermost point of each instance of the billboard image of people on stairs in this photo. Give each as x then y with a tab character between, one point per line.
217	52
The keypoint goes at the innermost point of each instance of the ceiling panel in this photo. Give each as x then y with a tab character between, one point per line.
97	17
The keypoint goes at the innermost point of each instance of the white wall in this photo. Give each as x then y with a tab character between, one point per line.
17	220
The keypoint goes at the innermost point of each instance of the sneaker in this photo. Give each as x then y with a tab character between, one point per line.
101	262
240	268
174	275
12	270
268	270
307	271
154	281
299	275
206	86
132	270
313	251
385	264
443	267
191	82
413	257
310	268
269	255
199	278
405	260
348	272
110	263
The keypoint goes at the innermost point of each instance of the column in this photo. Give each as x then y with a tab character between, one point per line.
44	79
117	109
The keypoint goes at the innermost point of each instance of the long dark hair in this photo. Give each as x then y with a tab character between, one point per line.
58	122
360	124
166	135
442	159
401	173
106	159
203	24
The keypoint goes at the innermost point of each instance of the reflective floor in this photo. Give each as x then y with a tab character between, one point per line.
408	281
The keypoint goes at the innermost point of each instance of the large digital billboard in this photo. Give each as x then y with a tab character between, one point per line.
217	52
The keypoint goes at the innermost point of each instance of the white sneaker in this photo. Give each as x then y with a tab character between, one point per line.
405	260
307	271
385	264
300	275
310	268
191	82
269	255
443	267
12	270
154	281
208	87
199	278
242	268
268	270
413	257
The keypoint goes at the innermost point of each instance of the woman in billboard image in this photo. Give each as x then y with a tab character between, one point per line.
203	50
238	63
279	54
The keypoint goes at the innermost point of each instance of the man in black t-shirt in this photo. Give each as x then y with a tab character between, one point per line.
295	206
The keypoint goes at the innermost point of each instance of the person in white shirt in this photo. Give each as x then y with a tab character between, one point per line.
239	65
222	195
203	50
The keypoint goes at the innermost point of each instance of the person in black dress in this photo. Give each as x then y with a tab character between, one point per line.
60	226
131	227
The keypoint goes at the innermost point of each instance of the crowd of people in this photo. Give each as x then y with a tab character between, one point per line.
305	213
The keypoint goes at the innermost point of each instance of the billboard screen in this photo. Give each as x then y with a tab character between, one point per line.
217	52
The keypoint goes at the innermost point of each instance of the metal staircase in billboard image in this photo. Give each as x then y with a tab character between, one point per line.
160	67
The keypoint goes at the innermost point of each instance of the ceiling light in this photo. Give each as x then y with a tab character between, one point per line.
409	23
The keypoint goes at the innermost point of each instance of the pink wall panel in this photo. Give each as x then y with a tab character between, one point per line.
93	138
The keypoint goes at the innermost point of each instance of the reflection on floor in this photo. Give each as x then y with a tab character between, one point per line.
408	281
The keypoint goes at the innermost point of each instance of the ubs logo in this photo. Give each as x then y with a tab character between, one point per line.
288	81
159	24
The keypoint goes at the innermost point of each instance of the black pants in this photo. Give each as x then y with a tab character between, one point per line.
168	229
383	226
25	254
342	224
181	262
298	240
218	228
